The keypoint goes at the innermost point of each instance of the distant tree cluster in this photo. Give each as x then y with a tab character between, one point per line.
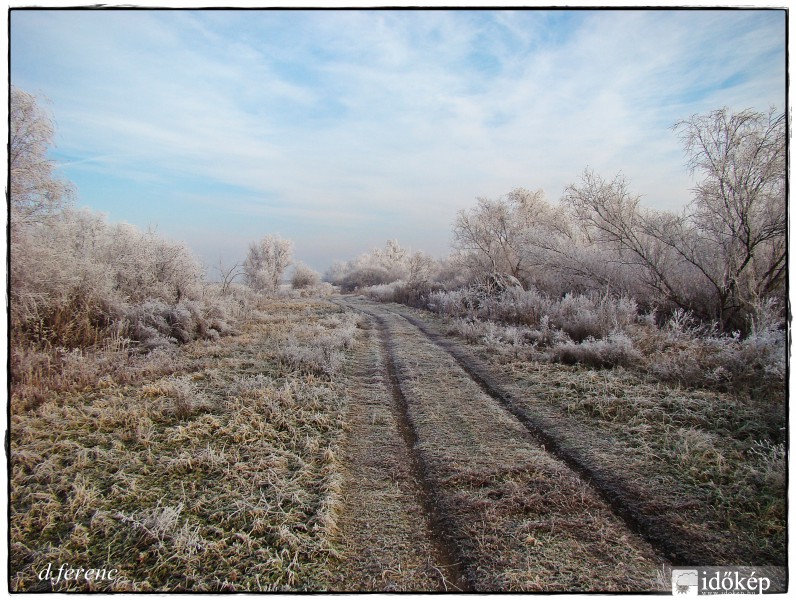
382	266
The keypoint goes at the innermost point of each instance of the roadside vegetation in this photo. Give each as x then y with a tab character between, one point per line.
92	299
694	300
661	337
705	469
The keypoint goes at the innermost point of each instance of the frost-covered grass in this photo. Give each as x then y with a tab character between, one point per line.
319	348
212	466
707	458
712	461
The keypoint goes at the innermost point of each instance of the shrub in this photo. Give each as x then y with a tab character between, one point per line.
383	266
304	277
79	281
616	350
688	353
383	292
365	277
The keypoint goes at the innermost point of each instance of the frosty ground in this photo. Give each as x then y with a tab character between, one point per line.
342	444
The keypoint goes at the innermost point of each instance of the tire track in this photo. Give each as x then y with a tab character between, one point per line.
446	559
491	495
657	534
450	564
383	536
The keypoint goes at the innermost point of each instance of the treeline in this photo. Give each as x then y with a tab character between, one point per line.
572	269
576	268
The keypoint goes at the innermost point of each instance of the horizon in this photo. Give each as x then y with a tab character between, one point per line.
341	129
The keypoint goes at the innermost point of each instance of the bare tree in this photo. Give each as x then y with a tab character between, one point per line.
609	216
738	213
228	274
726	252
420	266
266	263
35	191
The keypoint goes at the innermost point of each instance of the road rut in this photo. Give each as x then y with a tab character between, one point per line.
502	512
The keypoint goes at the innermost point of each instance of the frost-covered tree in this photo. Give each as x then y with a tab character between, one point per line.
227	274
518	234
420	267
35	192
735	230
614	226
266	262
726	253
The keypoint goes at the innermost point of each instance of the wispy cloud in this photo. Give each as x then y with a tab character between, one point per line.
391	120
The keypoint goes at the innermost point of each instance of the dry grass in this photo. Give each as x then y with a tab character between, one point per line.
218	473
721	455
708	463
319	349
39	375
225	465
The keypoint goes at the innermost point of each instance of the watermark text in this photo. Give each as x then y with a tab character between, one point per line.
66	572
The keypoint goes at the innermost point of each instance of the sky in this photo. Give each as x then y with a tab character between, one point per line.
343	129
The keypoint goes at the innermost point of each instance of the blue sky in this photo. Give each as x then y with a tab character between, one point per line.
341	129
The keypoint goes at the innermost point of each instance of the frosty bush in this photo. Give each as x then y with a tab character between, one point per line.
689	353
384	292
616	350
79	280
587	316
304	277
364	277
455	303
580	316
382	266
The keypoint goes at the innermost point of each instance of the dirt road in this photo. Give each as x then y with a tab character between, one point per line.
447	488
